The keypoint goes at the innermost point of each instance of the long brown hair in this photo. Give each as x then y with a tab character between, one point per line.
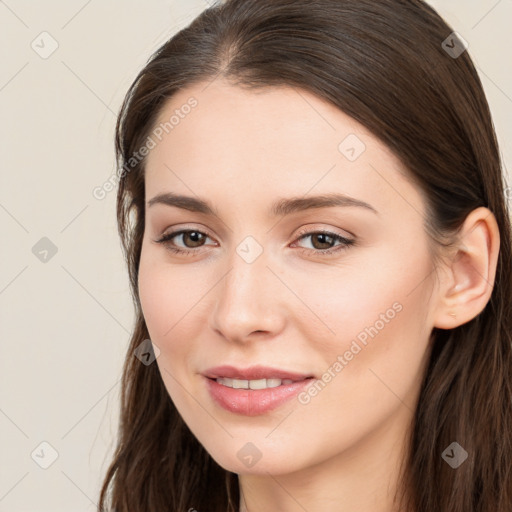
385	64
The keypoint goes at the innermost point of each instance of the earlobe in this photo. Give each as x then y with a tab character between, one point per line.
472	269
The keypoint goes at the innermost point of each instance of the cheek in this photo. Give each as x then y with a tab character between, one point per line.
374	364
173	300
374	314
378	352
364	298
154	300
167	295
168	314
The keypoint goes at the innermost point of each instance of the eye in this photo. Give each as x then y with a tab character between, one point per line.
321	238
194	236
193	239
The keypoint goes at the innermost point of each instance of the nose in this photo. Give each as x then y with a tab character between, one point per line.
250	301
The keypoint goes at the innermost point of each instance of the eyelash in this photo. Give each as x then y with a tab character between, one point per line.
345	242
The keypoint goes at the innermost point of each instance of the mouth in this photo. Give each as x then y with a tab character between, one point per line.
258	376
256	383
253	391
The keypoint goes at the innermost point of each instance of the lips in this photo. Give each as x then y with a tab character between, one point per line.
253	391
254	373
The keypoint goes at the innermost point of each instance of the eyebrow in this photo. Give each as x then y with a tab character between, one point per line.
280	208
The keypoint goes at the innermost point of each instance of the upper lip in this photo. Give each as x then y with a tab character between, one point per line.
253	373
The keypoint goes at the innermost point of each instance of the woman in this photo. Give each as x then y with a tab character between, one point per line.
312	210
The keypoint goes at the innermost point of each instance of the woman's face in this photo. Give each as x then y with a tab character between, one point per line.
258	284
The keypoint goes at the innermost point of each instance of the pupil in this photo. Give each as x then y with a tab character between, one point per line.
320	236
194	235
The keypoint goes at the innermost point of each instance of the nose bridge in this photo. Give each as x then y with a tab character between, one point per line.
246	298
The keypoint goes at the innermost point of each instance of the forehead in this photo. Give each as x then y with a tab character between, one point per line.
261	143
272	118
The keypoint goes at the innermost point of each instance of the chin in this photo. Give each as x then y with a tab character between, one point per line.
247	459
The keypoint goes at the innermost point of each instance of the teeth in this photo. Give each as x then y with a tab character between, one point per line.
252	384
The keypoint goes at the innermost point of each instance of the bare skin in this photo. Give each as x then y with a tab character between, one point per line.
295	307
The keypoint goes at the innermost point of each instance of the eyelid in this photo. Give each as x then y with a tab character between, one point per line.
178	230
319	228
311	229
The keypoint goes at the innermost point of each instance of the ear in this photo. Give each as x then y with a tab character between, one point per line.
471	271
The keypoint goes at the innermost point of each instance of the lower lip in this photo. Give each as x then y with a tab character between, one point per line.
253	402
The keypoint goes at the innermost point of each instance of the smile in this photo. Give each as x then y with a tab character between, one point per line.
253	384
253	397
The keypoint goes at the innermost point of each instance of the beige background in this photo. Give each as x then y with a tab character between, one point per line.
65	322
